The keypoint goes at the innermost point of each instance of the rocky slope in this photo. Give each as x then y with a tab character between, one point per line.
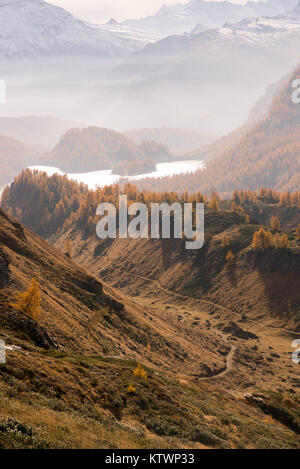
68	299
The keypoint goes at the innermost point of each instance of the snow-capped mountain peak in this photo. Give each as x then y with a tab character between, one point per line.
263	34
35	28
184	17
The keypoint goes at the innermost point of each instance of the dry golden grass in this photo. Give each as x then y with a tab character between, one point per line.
74	395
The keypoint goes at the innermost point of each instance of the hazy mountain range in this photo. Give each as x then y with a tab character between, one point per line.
179	141
42	132
183	17
203	74
182	81
260	32
52	31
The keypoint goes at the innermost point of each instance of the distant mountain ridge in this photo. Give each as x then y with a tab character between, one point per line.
259	32
218	68
14	157
35	130
184	17
179	141
35	28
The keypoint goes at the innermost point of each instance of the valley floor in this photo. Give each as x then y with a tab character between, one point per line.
265	362
194	396
118	360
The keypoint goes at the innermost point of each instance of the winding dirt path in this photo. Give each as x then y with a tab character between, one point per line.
229	366
230	356
180	295
170	292
233	348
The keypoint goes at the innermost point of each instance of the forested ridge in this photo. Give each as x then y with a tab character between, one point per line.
95	148
268	155
49	205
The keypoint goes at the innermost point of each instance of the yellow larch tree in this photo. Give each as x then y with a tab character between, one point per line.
276	241
139	372
224	241
214	203
233	207
262	240
275	223
230	256
29	301
284	242
68	248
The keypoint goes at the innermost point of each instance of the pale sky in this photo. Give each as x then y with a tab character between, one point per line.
103	10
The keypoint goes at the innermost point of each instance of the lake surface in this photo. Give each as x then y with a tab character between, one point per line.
103	178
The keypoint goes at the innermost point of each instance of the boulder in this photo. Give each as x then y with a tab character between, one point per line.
235	331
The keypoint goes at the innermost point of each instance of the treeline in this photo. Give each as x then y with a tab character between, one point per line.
268	196
50	204
43	203
264	239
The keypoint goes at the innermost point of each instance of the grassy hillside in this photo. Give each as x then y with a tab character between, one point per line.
261	285
72	379
256	281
